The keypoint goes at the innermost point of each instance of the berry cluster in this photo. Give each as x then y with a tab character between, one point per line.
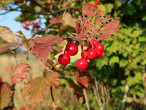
94	51
71	50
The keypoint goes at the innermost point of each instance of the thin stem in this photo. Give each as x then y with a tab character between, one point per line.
125	96
54	65
51	91
86	98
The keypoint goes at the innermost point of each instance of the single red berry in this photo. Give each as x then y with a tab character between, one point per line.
48	5
73	10
64	59
93	42
71	49
91	54
97	3
84	54
99	47
82	64
99	54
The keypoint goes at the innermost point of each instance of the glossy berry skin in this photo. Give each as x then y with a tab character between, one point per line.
93	42
99	54
82	64
91	54
71	49
97	3
99	47
64	59
84	54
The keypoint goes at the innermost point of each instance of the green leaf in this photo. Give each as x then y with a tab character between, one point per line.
114	59
123	63
109	7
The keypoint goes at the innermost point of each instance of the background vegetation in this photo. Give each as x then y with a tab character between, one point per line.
119	77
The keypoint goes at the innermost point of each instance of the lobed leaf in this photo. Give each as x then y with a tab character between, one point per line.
43	45
5	47
77	89
83	78
18	73
94	24
7	35
36	88
5	95
56	20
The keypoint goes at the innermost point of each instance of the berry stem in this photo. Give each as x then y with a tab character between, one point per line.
54	65
50	62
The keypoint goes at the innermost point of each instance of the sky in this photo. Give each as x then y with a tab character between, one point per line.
8	20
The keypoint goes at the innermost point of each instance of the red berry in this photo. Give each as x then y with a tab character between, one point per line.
93	42
82	64
48	5
99	47
99	54
91	54
71	49
64	59
97	3
84	54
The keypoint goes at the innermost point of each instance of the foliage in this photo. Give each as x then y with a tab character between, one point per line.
124	62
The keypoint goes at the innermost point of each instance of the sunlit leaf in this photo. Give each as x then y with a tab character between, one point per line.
69	20
5	47
36	88
18	73
5	95
43	45
7	35
56	20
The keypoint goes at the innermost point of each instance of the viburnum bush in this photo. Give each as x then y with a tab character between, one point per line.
68	32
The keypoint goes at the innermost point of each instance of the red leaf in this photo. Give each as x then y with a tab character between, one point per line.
43	45
108	29
9	68
56	20
5	47
94	24
18	73
1	78
5	95
56	107
77	89
25	108
83	78
36	88
89	10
